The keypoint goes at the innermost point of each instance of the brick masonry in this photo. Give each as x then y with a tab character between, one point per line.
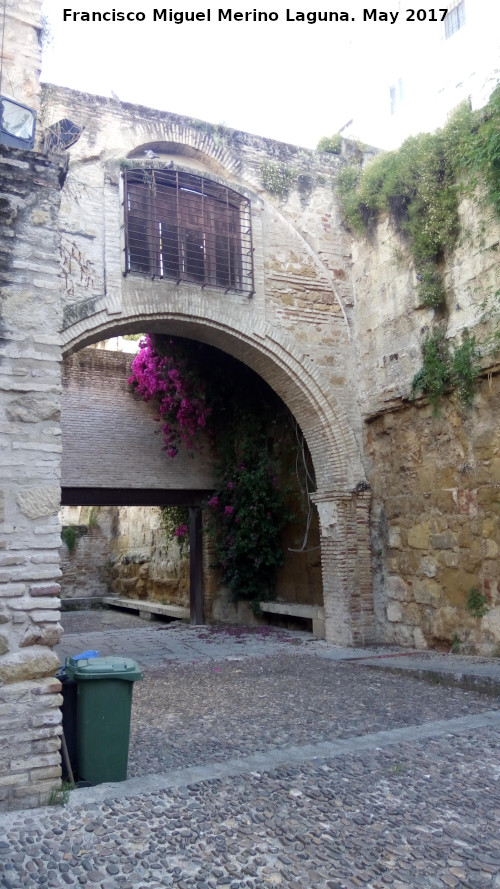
30	463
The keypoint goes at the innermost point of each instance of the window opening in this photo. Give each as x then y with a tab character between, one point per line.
188	228
455	18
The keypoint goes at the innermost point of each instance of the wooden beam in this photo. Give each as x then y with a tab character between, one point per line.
132	497
195	566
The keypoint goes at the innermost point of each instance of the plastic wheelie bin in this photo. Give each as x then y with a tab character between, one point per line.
104	701
69	705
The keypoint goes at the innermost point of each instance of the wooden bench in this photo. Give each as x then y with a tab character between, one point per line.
316	613
148	610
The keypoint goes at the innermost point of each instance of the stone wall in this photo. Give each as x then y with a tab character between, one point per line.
436	529
30	318
296	329
122	550
126	550
435	520
21	50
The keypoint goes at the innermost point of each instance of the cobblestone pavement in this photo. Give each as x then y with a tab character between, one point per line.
261	760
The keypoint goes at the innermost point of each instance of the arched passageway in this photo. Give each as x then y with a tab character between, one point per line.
342	497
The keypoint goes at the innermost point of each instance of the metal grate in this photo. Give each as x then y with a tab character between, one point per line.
187	228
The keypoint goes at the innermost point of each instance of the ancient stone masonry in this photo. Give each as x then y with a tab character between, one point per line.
435	521
295	330
21	60
30	476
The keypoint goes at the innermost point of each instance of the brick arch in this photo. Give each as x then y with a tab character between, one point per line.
179	137
342	497
207	155
275	357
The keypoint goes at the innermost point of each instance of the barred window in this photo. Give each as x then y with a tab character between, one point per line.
455	18
185	227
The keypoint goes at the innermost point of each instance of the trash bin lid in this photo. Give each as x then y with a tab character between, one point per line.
111	667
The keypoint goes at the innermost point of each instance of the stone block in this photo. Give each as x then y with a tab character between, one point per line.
12	590
46	686
29	604
491	623
470	560
45	589
427	591
412	614
446	540
46	745
394	612
39	501
49	636
466	501
51	717
397	588
17	780
449	558
418	535
490	549
35	762
394	537
31	663
490	527
427	566
33	409
419	640
41	617
43	774
456	585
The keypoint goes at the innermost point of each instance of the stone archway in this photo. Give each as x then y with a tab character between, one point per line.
342	496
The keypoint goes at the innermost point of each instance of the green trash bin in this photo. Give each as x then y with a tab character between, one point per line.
104	701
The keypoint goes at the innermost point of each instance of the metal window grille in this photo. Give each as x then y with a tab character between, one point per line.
455	18
187	228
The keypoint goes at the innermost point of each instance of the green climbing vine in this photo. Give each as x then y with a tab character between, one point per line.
446	367
419	188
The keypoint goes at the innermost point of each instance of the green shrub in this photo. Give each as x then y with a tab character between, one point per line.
277	178
332	144
477	603
445	368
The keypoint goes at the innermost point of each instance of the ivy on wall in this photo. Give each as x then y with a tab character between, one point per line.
419	187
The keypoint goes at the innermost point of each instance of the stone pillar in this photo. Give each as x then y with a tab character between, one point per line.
22	57
30	455
346	566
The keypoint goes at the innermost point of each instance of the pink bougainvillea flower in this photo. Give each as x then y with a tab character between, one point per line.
213	502
181	531
228	510
182	400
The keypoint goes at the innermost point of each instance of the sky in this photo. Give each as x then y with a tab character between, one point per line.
288	80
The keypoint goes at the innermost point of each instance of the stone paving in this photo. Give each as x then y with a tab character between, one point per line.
269	759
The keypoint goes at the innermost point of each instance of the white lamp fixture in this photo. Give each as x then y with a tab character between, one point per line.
17	124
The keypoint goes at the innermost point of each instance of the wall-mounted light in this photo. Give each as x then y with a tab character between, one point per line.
17	124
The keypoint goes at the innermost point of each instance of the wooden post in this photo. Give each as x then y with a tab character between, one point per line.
195	566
